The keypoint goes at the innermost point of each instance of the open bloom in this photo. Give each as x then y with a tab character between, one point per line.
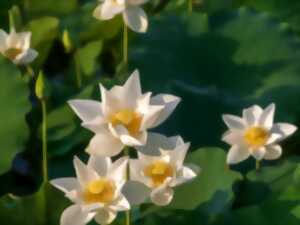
134	16
123	117
96	192
255	134
16	47
159	168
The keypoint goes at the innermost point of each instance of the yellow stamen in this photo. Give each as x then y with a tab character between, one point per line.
128	118
12	53
125	116
99	191
256	136
158	171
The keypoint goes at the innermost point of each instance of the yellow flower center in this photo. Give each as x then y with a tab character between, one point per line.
12	53
256	136
158	171
116	2
128	118
99	191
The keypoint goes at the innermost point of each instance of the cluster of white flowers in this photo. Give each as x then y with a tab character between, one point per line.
103	188
122	119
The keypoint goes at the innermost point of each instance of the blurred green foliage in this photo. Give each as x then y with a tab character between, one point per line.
14	96
224	56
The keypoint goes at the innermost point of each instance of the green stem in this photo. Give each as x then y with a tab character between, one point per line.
78	73
30	71
127	213
227	167
11	20
257	165
125	45
41	205
44	140
127	217
190	6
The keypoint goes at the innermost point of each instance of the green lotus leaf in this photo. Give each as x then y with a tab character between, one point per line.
44	31
213	180
48	7
14	97
34	209
87	57
285	11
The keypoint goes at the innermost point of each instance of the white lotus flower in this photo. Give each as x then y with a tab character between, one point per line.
134	16
123	117
159	173
96	192
16	47
255	134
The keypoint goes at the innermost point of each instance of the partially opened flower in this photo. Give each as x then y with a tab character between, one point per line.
96	192
255	134
158	173
123	117
134	16
16	47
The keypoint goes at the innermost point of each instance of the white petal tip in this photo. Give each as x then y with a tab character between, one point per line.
76	160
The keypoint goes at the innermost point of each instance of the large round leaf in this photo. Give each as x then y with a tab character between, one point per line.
84	27
277	176
285	10
42	208
87	57
14	98
281	201
44	31
64	131
214	180
36	7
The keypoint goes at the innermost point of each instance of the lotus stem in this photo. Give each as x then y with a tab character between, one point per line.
190	6
125	45
257	165
127	217
227	167
30	71
78	72
127	213
11	21
44	141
